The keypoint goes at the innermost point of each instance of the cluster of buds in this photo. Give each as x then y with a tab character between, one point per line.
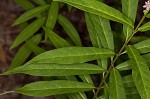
147	7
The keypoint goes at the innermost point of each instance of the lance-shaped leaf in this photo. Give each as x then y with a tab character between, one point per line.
70	55
34	48
129	8
128	81
99	8
52	15
130	89
30	14
25	4
40	2
140	72
143	46
145	27
127	65
100	34
116	88
70	29
43	69
58	41
24	52
28	32
47	88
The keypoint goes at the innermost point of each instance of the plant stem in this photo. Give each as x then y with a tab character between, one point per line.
6	92
116	57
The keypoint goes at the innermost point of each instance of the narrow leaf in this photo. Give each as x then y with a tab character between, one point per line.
25	4
129	8
140	72
44	69
52	15
34	48
145	27
70	55
30	14
128	81
143	46
47	88
127	65
56	39
40	2
99	8
100	34
28	32
116	88
24	52
69	29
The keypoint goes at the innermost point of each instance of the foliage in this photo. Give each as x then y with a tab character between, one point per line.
123	71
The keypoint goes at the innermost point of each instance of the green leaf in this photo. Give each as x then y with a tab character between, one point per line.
143	46
129	8
30	14
70	55
87	78
106	91
79	95
148	15
99	8
52	15
100	29
128	81
47	88
140	72
24	52
56	39
25	4
34	48
116	88
44	69
100	34
40	2
145	27
127	66
70	29
28	32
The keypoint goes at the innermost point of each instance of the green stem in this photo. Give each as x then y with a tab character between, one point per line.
6	92
116	57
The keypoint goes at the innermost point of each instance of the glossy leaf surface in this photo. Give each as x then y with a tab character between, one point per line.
129	8
116	88
99	8
70	29
70	55
30	14
58	41
56	69
47	88
24	52
144	27
140	72
28	32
